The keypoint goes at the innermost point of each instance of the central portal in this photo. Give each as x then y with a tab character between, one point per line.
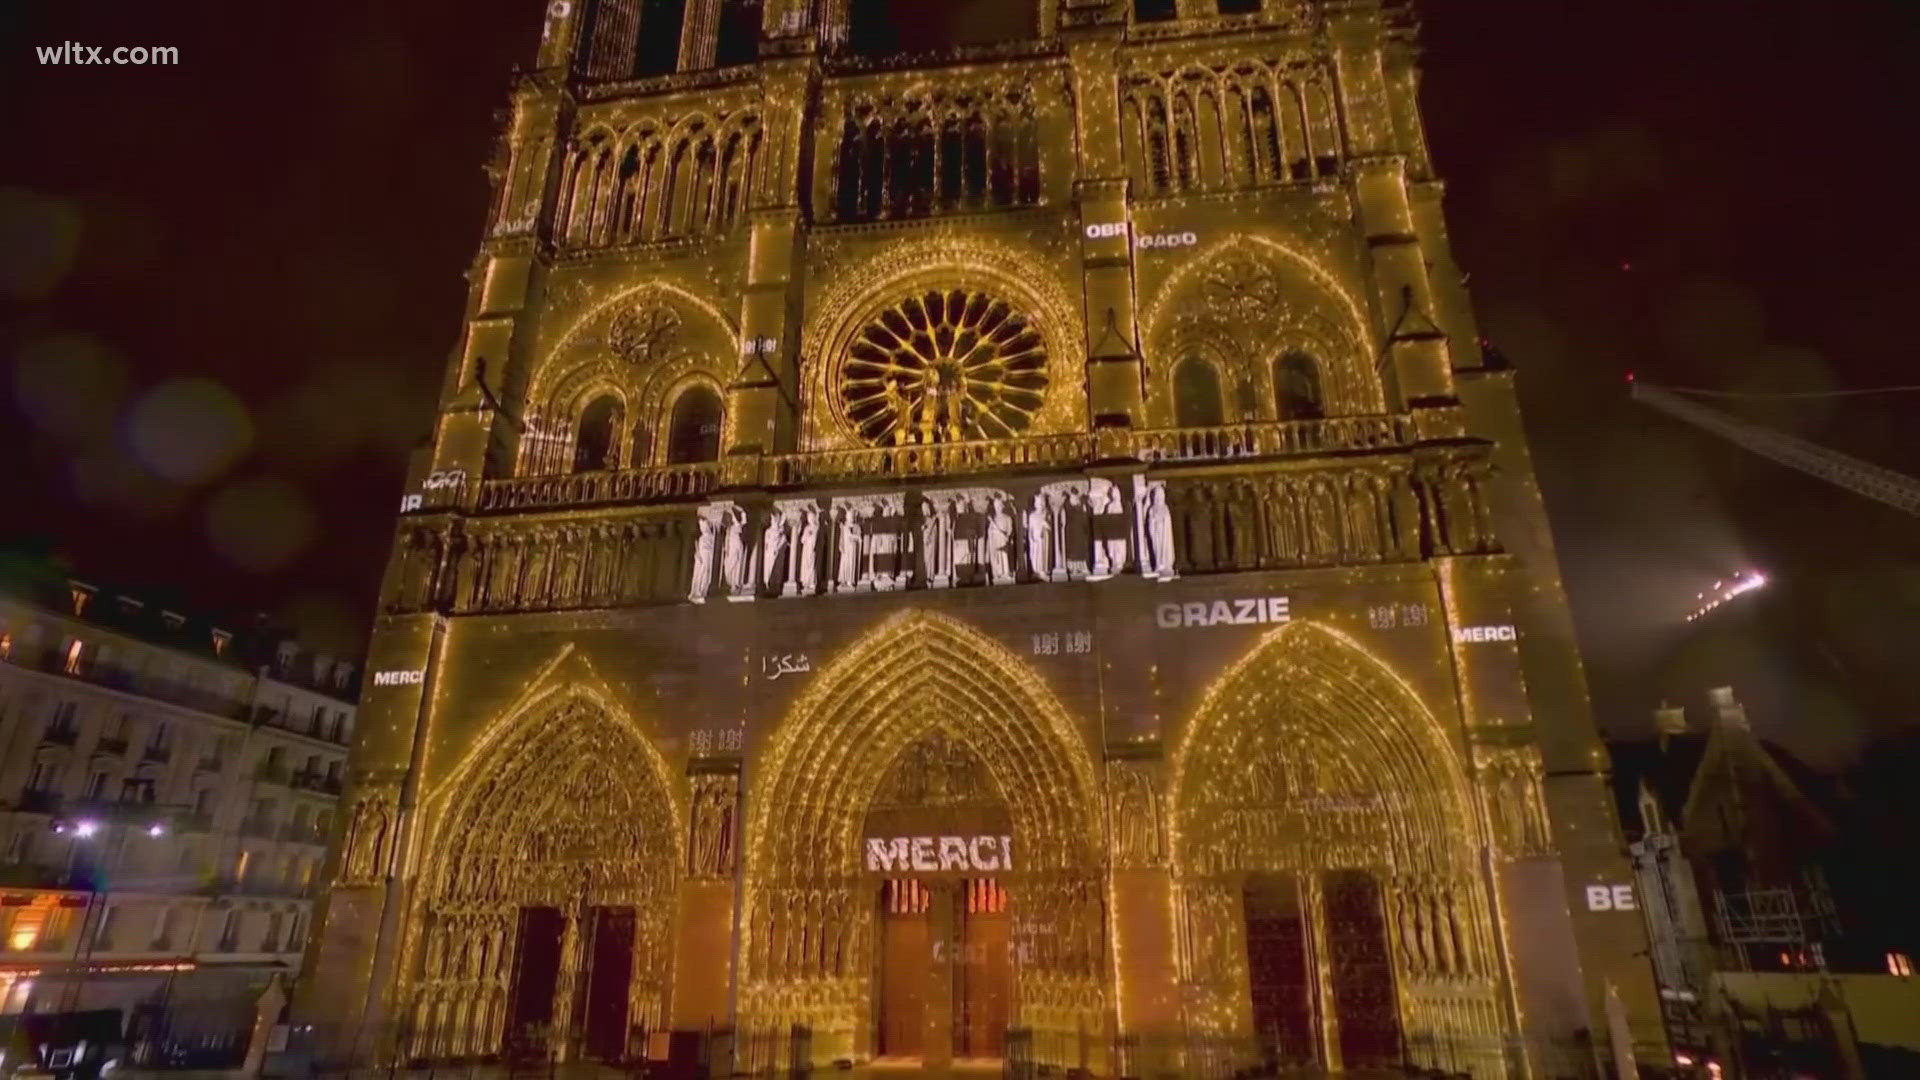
946	969
941	856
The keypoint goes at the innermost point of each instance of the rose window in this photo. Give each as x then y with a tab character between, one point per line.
942	366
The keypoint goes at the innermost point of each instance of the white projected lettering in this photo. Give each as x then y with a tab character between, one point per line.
1250	611
939	854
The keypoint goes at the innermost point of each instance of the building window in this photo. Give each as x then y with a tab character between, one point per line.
163	929
272	942
660	24
1196	394
17	847
44	778
220	640
6	645
159	739
1239	7
1296	381
103	930
1900	964
739	37
693	430
80	597
1155	10
75	650
596	447
241	866
230	931
97	784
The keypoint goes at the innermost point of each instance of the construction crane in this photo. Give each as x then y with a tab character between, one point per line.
1860	477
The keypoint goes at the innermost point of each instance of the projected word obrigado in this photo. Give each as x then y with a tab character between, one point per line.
939	854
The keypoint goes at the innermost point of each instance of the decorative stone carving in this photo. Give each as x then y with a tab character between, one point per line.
942	366
789	548
871	542
737	554
1510	779
1153	529
644	333
710	848
958	539
369	838
1134	801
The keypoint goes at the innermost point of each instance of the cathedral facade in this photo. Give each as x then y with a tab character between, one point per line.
984	540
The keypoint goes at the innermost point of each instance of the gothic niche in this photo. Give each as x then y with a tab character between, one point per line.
942	367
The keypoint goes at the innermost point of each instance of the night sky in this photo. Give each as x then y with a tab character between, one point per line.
228	290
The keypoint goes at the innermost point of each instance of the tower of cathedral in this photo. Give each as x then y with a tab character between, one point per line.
976	530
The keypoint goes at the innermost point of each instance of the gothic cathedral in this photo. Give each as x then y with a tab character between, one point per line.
976	531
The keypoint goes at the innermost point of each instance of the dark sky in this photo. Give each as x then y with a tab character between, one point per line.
228	288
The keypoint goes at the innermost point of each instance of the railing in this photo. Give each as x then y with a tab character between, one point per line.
257	827
60	735
209	764
143	685
626	485
314	781
109	746
161	754
271	772
37	802
880	463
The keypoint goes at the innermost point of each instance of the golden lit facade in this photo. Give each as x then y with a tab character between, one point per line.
1009	551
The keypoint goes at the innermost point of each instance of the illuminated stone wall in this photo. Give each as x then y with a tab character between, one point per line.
1095	421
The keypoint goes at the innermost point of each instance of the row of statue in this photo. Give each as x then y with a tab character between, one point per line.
1082	529
1071	530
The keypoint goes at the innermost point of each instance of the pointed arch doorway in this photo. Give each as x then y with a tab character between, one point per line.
881	913
543	922
1332	908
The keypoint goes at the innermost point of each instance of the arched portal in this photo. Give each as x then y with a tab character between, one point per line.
1325	852
545	900
921	697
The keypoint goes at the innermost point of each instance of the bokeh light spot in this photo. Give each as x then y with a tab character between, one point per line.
259	524
189	430
39	236
68	385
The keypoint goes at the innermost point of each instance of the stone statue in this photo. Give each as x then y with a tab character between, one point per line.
1000	542
936	541
1040	539
733	559
1110	528
809	551
712	848
1156	556
849	547
773	544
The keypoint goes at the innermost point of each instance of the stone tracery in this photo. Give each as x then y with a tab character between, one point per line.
921	676
1311	762
564	805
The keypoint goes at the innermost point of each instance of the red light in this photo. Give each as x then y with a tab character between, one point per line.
1629	376
1625	265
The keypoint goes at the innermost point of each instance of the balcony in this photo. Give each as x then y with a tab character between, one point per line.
60	735
37	802
271	772
113	747
157	753
194	823
263	829
211	764
316	781
137	683
1035	453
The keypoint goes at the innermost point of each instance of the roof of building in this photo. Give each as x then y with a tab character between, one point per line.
254	647
1668	765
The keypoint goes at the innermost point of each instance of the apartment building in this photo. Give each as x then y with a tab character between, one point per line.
167	790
